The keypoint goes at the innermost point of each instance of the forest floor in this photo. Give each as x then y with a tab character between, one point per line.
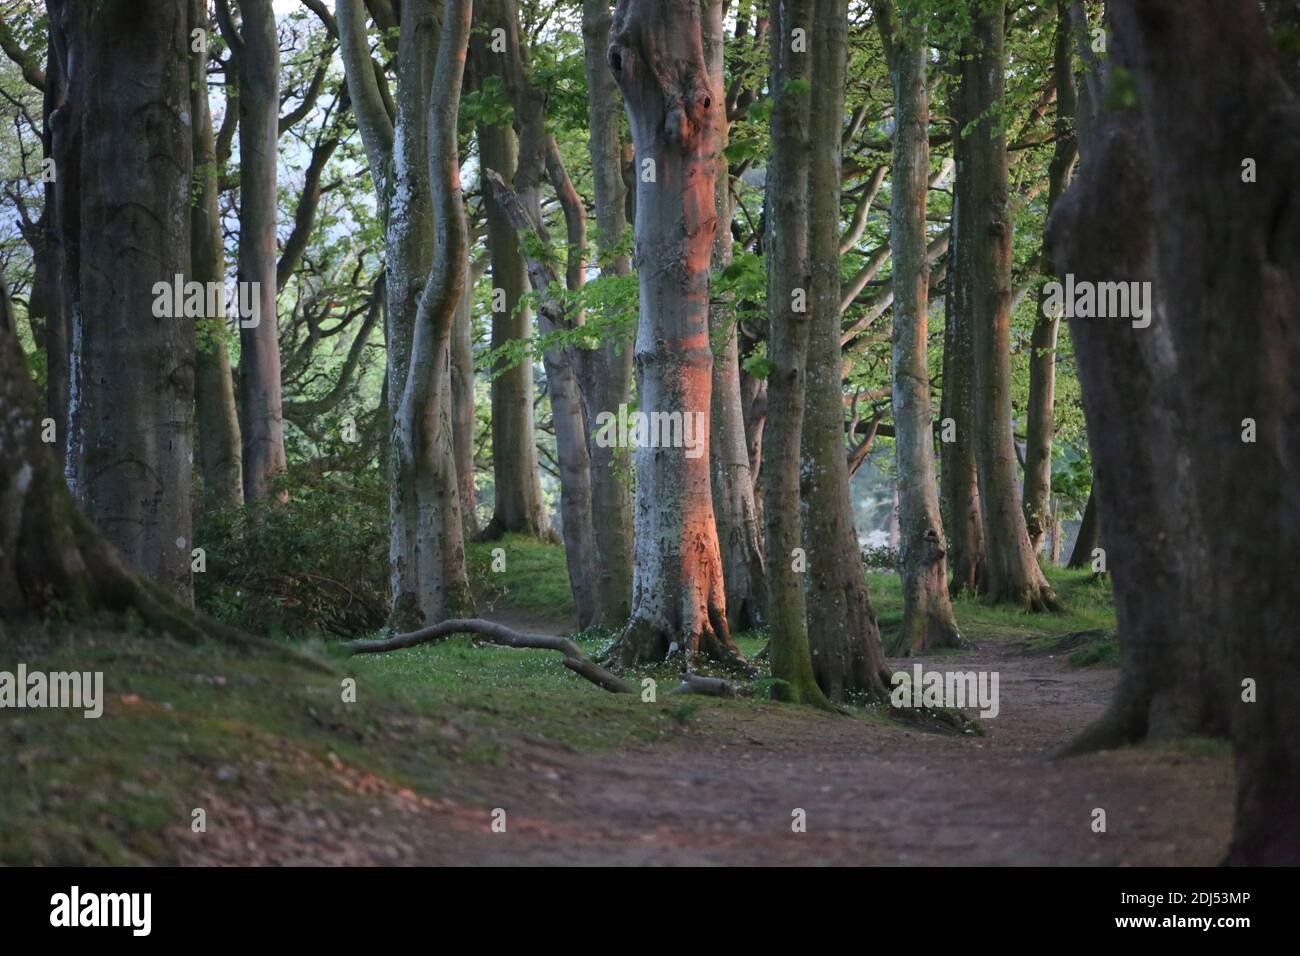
441	739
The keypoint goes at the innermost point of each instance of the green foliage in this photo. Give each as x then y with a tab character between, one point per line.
316	564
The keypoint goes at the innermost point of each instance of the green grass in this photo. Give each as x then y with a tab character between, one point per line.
535	578
1087	602
183	725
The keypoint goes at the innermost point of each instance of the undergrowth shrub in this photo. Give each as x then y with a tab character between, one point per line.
315	564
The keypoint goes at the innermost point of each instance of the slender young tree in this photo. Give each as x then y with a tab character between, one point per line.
656	53
928	619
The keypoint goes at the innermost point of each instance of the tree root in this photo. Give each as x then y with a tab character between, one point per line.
574	659
707	686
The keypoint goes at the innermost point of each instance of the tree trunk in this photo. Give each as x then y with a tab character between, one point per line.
427	259
260	401
609	366
51	272
733	485
1216	609
787	260
522	207
959	486
216	417
842	630
928	619
1089	536
463	417
1013	573
133	408
518	505
1040	417
656	54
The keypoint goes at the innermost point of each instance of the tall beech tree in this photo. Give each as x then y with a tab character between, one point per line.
788	266
609	377
733	485
1040	418
255	46
842	631
132	396
428	577
959	487
216	416
1202	535
928	619
656	54
517	495
1013	573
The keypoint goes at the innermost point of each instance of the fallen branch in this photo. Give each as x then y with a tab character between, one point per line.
574	659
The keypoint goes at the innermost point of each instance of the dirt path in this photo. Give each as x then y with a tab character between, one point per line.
872	794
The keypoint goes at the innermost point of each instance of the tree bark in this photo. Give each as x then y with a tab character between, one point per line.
260	400
928	619
1013	573
610	365
463	417
787	259
847	654
1089	537
133	403
959	487
657	56
1157	198
733	485
1040	412
517	495
216	417
427	257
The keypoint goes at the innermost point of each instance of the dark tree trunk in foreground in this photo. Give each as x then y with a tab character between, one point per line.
52	559
786	248
656	54
1040	413
216	418
928	619
959	486
260	400
1013	573
1216	610
133	394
